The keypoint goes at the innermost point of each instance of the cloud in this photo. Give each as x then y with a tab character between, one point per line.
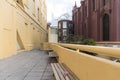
55	8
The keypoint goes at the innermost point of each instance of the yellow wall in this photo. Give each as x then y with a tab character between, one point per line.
19	27
87	67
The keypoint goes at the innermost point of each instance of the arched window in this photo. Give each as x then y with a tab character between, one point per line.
106	27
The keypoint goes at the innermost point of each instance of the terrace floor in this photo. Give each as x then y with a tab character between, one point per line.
29	65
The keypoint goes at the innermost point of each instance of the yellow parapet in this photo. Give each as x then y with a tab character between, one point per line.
88	67
113	52
108	43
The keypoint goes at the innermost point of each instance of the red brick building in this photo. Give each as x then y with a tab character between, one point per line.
97	19
65	30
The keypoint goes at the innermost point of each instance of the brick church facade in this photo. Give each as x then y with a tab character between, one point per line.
97	19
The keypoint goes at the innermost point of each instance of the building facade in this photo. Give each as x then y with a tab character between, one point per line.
97	19
65	30
22	25
52	34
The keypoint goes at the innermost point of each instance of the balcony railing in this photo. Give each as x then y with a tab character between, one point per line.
88	67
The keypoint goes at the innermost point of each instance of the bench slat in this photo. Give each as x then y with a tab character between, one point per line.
63	72
55	72
59	72
71	75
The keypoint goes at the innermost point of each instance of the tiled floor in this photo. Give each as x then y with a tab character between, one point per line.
31	65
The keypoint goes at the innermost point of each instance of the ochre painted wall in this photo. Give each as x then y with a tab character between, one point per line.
19	27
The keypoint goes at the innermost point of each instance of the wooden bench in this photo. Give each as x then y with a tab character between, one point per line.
49	51
53	57
62	72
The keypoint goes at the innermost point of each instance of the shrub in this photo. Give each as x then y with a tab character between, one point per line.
88	42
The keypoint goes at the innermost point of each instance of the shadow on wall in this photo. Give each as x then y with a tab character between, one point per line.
20	45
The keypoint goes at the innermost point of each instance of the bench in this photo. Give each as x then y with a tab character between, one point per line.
62	72
53	57
49	51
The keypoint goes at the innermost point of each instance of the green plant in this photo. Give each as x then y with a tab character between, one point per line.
88	42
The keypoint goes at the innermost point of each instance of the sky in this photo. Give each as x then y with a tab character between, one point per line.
56	8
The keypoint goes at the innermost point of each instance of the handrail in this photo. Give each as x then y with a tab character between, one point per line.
113	52
117	43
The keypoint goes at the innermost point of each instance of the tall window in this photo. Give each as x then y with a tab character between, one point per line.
64	32
106	27
64	24
85	11
105	2
94	5
59	25
87	8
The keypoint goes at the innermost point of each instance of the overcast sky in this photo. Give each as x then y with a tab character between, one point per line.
55	8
